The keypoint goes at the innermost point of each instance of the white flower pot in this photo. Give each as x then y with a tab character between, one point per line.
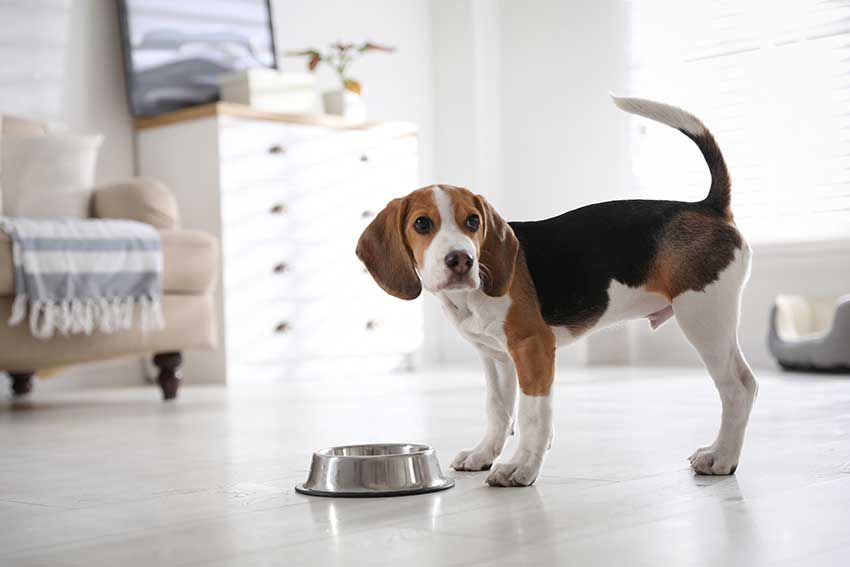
345	103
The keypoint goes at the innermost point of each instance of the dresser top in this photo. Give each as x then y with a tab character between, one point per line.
245	111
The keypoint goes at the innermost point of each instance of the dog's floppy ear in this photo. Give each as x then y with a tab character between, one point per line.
383	250
498	252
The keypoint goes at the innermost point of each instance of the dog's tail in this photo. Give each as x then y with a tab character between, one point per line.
720	193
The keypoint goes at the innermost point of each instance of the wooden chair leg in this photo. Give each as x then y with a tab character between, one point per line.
21	382
169	373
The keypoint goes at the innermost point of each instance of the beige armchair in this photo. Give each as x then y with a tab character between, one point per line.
190	272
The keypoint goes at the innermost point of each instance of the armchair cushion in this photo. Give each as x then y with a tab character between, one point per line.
143	200
190	260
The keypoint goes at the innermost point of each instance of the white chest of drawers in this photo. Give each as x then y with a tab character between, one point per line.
288	202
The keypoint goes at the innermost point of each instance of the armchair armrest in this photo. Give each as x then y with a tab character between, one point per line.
143	200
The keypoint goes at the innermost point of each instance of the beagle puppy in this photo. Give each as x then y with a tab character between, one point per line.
519	290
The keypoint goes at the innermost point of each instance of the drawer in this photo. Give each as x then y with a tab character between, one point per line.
286	172
269	332
287	330
256	279
238	137
365	328
253	202
240	172
248	152
277	330
347	280
336	226
393	161
340	213
290	273
291	279
340	227
269	232
310	214
309	167
345	145
388	168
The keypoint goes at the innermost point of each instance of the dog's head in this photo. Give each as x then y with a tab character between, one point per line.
448	236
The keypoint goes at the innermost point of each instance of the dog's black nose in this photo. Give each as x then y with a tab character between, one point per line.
459	262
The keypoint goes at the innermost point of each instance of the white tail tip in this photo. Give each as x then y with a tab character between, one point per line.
667	114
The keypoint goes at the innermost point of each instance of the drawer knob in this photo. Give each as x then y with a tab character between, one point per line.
277	149
367	214
281	268
283	327
364	158
371	324
278	209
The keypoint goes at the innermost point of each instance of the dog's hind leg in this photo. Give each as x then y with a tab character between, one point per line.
501	402
709	319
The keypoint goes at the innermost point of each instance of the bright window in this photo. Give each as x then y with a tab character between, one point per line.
771	80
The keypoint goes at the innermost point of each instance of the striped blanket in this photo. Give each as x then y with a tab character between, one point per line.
80	276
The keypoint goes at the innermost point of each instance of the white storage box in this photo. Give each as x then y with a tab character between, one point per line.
267	89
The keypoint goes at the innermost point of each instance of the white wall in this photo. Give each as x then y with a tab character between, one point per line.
397	86
467	136
564	142
94	99
61	62
523	114
33	39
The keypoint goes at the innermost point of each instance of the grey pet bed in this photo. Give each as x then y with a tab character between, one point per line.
811	334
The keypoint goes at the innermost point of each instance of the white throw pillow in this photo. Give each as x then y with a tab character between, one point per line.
49	176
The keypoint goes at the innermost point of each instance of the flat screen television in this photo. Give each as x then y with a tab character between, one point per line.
174	52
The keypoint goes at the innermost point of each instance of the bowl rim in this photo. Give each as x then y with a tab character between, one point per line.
327	452
446	483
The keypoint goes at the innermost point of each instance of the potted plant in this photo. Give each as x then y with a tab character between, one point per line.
346	100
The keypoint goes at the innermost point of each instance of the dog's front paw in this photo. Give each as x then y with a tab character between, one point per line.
515	473
714	461
474	460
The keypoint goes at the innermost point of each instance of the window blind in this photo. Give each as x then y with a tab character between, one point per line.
771	80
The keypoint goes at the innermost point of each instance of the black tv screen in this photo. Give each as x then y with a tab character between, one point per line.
174	52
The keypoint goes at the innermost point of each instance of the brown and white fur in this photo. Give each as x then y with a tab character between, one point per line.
519	291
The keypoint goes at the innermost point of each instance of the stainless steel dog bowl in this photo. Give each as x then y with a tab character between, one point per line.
391	469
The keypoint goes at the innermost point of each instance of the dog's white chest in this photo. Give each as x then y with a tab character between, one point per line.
479	317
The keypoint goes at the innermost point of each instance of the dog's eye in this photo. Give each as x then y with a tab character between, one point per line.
422	225
473	222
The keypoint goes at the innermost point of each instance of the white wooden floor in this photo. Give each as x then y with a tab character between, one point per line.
114	477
